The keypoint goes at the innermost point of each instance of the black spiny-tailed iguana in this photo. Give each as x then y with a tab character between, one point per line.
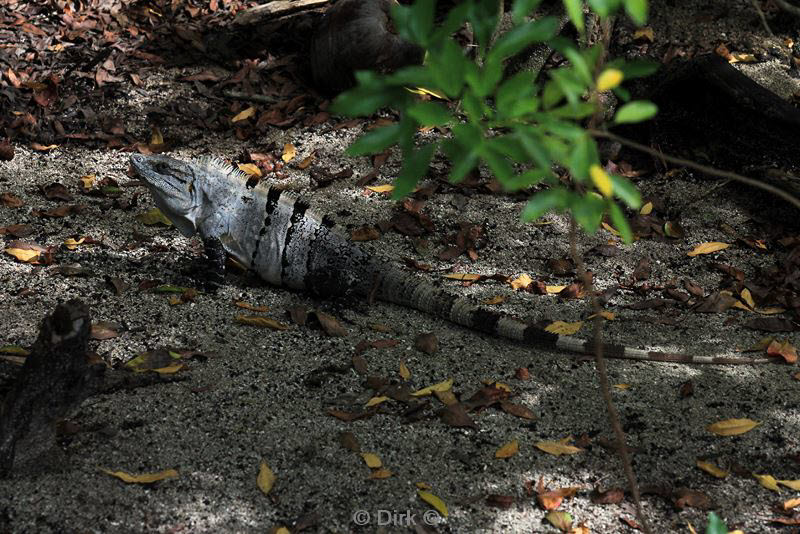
287	244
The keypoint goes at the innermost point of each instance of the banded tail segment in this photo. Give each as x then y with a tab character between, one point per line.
406	290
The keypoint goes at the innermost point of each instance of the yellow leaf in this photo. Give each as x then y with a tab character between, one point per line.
244	114
748	298
733	427
622	386
499	299
741	57
405	374
374	401
521	282
554	289
372	460
23	254
557	448
610	228
281	530
423	485
609	79
707	248
564	328
607	315
307	161
248	306
434	501
380	474
712	469
768	481
169	370
87	181
266	478
770	310
791	484
425	91
500	385
447	398
250	169
386	188
645	33
791	503
145	478
463	276
647	209
600	179
508	450
156	137
264	322
72	244
289	152
441	386
561	520
153	216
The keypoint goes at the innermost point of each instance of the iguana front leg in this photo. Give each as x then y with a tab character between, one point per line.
213	272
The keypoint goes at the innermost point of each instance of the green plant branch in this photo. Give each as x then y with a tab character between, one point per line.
788	197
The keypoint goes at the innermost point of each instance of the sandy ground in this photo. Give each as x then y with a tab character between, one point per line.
260	395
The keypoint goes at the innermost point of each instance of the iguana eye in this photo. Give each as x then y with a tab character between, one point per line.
162	168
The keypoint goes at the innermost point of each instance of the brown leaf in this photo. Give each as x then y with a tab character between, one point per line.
784	349
118	284
770	324
17	230
56	191
348	441
455	415
716	302
522	373
611	496
687	498
298	314
263	322
427	343
693	288
504	502
486	396
686	389
365	233
330	324
10	200
359	364
642	270
517	410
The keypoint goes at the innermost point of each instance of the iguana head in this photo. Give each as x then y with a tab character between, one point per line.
176	188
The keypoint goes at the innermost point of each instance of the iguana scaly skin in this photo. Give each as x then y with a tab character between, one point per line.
276	235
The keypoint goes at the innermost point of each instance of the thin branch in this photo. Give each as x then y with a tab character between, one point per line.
762	17
786	6
602	373
791	199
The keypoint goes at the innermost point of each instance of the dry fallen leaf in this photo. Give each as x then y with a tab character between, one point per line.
791	484
380	474
289	152
508	450
250	169
521	282
434	501
244	114
372	460
266	478
564	328
768	481
708	248
386	188
145	478
712	469
263	322
374	401
557	448
441	386
732	427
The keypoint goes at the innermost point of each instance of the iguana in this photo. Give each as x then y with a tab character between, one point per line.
276	235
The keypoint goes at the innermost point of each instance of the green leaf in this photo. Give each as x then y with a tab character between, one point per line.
514	97
527	179
464	159
569	83
368	96
626	191
579	64
601	7
412	76
523	36
635	111
540	203
584	153
509	145
415	165
482	15
715	525
375	141
588	211
522	8
447	68
415	22
636	68
534	148
575	12
578	110
637	10
429	113
619	222
497	162
453	21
